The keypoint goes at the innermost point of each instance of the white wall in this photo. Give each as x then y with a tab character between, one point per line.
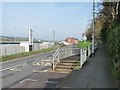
25	44
8	49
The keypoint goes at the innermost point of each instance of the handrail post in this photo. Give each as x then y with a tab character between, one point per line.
88	51
81	58
85	54
58	55
53	64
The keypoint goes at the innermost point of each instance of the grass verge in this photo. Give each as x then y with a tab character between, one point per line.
20	55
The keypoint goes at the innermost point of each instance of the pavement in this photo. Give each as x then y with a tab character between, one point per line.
95	73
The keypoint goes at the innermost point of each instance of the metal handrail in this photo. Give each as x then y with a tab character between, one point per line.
55	52
54	57
62	53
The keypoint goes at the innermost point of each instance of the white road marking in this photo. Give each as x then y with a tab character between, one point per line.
37	63
42	63
28	80
48	64
45	60
15	69
40	71
25	64
51	82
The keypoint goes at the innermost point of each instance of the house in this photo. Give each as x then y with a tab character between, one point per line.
72	40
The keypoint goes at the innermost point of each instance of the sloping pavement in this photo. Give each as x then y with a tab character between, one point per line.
95	73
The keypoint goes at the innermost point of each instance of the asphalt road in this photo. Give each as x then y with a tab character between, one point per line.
17	70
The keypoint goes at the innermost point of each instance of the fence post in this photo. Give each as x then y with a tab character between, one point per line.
81	58
53	64
88	51
5	52
58	55
85	54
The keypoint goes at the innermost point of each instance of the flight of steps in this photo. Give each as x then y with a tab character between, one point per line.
66	65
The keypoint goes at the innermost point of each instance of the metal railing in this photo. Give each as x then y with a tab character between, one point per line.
83	56
55	59
62	53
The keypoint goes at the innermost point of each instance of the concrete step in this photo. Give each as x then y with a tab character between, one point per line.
64	66
63	70
68	61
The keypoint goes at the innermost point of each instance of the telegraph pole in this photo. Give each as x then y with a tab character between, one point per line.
93	32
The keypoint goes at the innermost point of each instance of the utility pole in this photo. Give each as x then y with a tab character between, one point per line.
30	39
93	32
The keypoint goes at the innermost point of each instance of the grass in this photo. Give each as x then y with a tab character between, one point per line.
20	55
83	44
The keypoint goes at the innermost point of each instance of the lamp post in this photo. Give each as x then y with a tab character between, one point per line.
93	32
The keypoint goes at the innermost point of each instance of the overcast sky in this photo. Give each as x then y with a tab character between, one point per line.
67	19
